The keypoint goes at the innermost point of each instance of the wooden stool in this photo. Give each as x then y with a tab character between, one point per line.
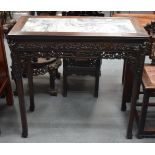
81	67
40	67
53	72
148	82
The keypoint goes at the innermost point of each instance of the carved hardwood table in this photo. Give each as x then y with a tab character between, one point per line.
83	37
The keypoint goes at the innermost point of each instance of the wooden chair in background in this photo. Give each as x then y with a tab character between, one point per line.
148	85
81	67
148	78
128	70
5	84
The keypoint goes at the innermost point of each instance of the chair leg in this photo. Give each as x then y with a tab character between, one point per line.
97	76
30	83
96	84
65	85
58	75
143	114
52	91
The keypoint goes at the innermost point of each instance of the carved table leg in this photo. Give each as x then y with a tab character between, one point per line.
16	70
30	83
22	108
135	91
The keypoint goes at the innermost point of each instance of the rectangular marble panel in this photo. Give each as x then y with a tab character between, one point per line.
95	25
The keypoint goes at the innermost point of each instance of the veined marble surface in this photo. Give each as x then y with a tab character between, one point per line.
78	25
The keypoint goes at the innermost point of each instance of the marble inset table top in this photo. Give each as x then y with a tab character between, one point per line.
96	25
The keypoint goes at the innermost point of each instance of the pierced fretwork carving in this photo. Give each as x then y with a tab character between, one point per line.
75	49
150	28
16	68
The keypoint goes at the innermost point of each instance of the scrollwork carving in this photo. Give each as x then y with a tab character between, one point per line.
16	68
40	71
73	46
66	49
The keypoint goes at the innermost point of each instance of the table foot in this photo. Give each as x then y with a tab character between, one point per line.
31	108
139	136
58	75
123	108
53	92
25	134
129	136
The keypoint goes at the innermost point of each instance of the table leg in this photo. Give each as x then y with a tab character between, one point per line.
22	108
135	91
30	83
127	84
17	75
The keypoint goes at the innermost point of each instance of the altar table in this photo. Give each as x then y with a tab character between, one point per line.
83	37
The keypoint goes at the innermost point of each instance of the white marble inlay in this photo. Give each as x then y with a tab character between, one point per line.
106	25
